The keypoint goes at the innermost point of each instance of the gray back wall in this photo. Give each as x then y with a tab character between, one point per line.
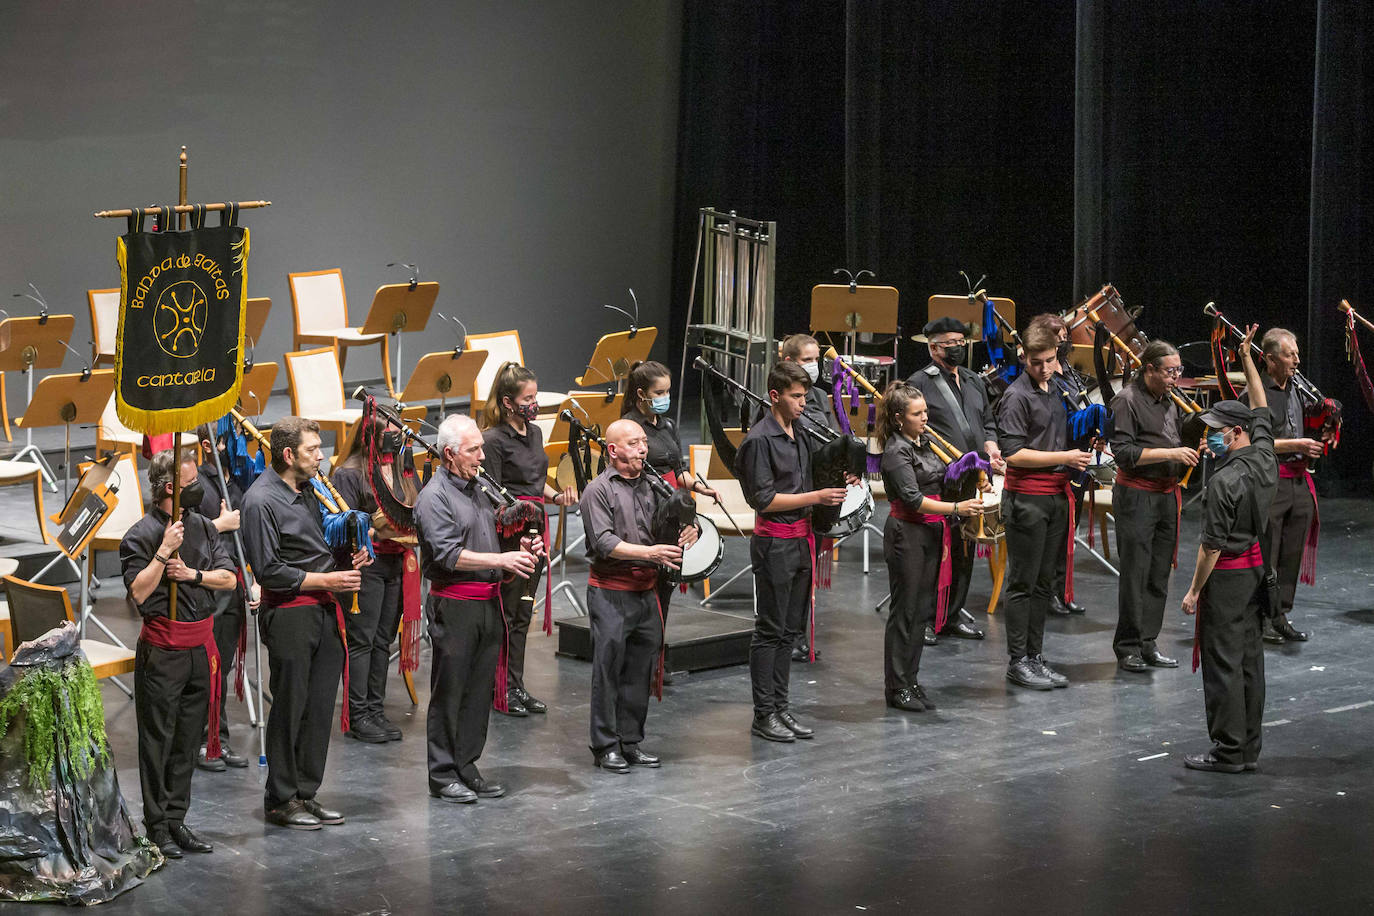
522	153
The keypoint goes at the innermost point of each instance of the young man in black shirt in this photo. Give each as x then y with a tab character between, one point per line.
176	664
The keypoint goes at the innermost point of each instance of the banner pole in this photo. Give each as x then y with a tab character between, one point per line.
183	221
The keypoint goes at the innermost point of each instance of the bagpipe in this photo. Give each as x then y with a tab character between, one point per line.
1352	350
1321	416
966	475
516	519
1003	366
389	465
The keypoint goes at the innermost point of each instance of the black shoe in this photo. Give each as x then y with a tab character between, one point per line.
770	728
1056	679
457	793
226	753
1271	635
1211	764
530	703
611	760
1288	631
321	813
210	766
637	758
962	630
930	639
1058	608
921	695
905	699
165	844
1132	663
1251	766
389	728
293	815
483	788
1023	674
514	707
1075	608
367	730
188	841
1155	660
795	727
803	654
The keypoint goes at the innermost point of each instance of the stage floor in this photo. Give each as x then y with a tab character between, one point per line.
1070	801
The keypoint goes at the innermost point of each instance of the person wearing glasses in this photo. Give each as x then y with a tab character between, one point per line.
960	411
1150	457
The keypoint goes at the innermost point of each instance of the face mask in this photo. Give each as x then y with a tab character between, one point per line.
660	404
391	442
192	494
1062	352
526	412
956	355
1217	443
813	371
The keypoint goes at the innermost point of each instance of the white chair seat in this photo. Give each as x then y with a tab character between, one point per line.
549	400
343	415
16	470
352	335
745	519
107	660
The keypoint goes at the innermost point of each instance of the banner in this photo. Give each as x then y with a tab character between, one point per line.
179	350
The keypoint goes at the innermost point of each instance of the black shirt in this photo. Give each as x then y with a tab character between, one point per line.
353	486
1140	421
818	407
911	471
665	447
972	398
616	509
283	534
516	462
212	496
1285	412
770	462
200	549
1240	491
453	515
1030	418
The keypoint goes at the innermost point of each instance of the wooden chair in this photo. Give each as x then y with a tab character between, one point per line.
503	347
111	435
18	473
321	310
8	567
315	382
5	411
35	609
104	305
706	466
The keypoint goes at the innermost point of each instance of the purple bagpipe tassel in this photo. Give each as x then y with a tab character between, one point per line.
965	464
843	385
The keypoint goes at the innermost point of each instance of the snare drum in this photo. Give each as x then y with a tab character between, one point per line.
701	559
855	512
1103	470
989	527
1109	307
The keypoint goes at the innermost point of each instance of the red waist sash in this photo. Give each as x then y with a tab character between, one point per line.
1246	559
638	579
1130	479
1294	470
904	512
767	528
1049	483
271	599
166	633
468	591
485	591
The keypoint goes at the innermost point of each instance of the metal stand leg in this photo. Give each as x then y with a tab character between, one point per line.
882	604
1082	542
715	592
31	451
563	585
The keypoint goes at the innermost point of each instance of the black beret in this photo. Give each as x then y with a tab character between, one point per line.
945	325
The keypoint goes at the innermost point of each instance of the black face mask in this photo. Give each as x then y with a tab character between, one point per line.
391	442
956	355
192	494
1062	351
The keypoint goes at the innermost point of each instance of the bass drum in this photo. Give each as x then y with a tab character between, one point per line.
855	512
1109	307
702	559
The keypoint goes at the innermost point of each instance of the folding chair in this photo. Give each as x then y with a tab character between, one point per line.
35	609
104	305
315	382
503	347
321	310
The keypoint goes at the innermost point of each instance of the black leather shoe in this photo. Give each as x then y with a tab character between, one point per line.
1156	660
962	630
226	753
389	728
921	695
188	841
770	728
483	788
293	815
165	845
514	707
906	700
1271	635
790	722
457	793
321	813
1058	608
1023	674
1132	663
637	758
208	765
803	654
930	639
1056	679
1075	608
1288	631
611	760
1211	764
367	730
530	703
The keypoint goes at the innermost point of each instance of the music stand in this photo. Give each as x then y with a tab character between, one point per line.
617	352
399	307
971	314
255	318
257	388
37	342
838	308
592	408
61	400
437	375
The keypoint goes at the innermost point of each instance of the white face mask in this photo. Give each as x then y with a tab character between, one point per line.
813	370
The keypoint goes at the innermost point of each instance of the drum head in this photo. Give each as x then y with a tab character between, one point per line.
564	475
855	511
702	558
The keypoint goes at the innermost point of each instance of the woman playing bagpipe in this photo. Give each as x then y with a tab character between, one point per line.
515	459
916	538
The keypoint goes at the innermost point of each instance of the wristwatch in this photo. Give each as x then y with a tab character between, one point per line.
200	577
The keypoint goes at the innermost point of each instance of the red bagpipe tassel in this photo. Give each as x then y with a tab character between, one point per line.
410	612
825	567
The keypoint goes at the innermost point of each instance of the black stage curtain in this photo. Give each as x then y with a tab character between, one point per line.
1184	152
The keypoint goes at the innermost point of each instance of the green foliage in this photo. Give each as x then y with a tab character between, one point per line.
61	709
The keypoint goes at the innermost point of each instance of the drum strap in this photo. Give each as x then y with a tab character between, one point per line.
954	406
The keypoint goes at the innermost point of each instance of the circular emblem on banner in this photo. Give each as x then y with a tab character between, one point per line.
179	319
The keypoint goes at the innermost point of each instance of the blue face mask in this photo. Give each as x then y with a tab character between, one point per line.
1216	441
660	404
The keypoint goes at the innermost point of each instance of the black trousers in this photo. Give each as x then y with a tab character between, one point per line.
782	588
518	597
466	639
1289	517
1146	532
1036	527
171	705
371	632
1232	663
626	637
1061	565
912	551
306	657
229	622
